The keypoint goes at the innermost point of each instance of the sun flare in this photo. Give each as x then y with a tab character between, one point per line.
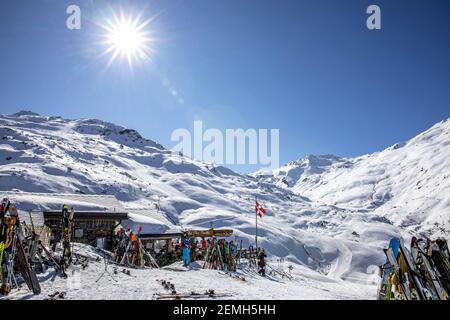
127	38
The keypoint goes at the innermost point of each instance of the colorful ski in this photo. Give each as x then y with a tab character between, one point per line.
431	277
385	286
401	278
421	291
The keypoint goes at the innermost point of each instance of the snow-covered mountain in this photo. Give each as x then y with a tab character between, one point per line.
408	183
304	173
325	214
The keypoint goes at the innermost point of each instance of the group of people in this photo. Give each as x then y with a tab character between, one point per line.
218	254
191	249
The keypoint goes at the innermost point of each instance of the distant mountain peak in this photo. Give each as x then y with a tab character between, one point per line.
24	113
316	159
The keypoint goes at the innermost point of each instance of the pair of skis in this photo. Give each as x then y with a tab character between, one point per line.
174	295
442	265
67	224
138	253
431	277
401	277
192	295
36	243
28	274
213	259
385	286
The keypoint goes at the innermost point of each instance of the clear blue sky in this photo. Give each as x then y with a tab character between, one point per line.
310	68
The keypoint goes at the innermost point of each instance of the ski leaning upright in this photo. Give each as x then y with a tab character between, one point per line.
66	225
422	262
385	286
421	290
401	278
25	269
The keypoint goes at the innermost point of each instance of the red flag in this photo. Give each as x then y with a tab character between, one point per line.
140	229
259	209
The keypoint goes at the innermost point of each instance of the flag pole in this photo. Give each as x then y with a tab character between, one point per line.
256	224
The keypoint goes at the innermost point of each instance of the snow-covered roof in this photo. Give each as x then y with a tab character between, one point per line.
149	225
96	215
53	201
153	214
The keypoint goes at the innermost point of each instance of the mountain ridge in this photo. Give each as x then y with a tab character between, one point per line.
330	224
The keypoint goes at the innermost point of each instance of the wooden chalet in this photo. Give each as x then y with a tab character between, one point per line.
88	226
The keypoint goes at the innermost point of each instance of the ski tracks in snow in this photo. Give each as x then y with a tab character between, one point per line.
343	262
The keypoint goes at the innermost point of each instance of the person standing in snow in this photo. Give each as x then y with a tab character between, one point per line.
262	262
194	250
203	243
233	248
232	255
186	252
186	255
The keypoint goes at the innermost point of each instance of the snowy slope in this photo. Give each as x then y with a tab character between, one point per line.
335	235
304	173
408	183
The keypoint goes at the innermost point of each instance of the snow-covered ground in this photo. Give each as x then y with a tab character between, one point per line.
327	216
92	283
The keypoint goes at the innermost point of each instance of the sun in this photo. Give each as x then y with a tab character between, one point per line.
126	38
